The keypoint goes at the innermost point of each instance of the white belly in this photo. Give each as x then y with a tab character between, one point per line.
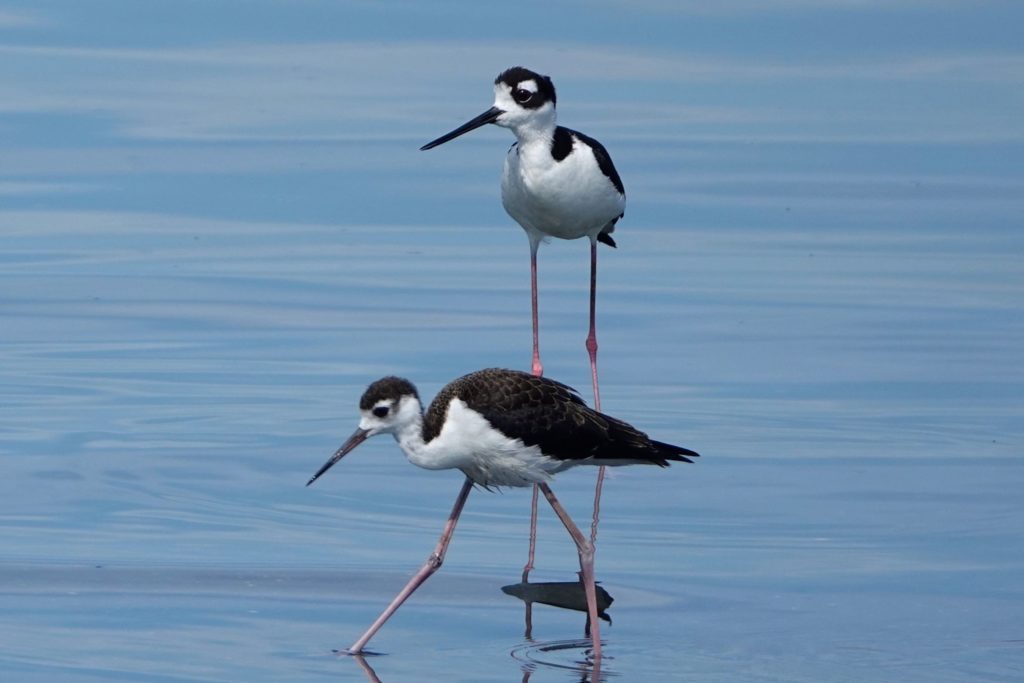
567	199
468	442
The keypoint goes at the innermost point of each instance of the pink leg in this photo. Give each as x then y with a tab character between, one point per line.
597	505
533	542
592	336
432	564
586	552
592	351
538	370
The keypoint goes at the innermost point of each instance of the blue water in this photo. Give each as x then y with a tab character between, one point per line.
217	229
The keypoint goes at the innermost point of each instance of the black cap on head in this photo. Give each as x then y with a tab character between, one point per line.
385	388
517	74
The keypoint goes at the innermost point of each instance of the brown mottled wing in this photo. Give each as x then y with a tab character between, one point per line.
549	414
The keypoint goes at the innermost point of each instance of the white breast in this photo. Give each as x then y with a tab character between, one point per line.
568	199
469	443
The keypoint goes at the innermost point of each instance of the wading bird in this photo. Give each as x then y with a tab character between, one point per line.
500	428
556	182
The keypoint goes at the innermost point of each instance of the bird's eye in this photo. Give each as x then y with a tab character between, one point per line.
522	95
381	411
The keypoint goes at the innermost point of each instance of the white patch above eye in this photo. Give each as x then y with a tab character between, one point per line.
382	408
529	85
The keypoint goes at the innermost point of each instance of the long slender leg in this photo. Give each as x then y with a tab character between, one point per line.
528	615
586	552
533	537
538	370
592	336
432	564
597	506
592	351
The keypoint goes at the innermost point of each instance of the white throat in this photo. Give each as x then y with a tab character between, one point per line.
408	426
528	125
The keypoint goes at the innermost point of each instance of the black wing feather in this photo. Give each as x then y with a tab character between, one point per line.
604	160
561	146
551	415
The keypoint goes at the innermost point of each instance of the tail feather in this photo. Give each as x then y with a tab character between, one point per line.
618	440
671	452
605	236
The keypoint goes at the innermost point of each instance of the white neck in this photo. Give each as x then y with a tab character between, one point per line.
410	440
537	129
465	435
529	126
409	432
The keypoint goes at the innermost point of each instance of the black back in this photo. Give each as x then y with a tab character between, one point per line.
561	146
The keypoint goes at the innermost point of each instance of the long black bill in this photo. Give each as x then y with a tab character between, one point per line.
489	116
357	438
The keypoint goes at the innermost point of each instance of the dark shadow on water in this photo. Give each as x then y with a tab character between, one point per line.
361	655
563	594
557	654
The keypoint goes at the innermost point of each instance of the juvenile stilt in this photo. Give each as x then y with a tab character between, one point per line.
500	428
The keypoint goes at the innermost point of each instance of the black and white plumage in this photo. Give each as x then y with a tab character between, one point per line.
502	428
556	182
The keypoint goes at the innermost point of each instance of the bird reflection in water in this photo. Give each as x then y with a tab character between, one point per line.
368	671
589	670
564	594
561	594
569	595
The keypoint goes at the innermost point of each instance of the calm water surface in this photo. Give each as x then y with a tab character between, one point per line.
217	230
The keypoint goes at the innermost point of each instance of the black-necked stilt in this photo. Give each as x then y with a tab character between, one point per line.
501	428
556	182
